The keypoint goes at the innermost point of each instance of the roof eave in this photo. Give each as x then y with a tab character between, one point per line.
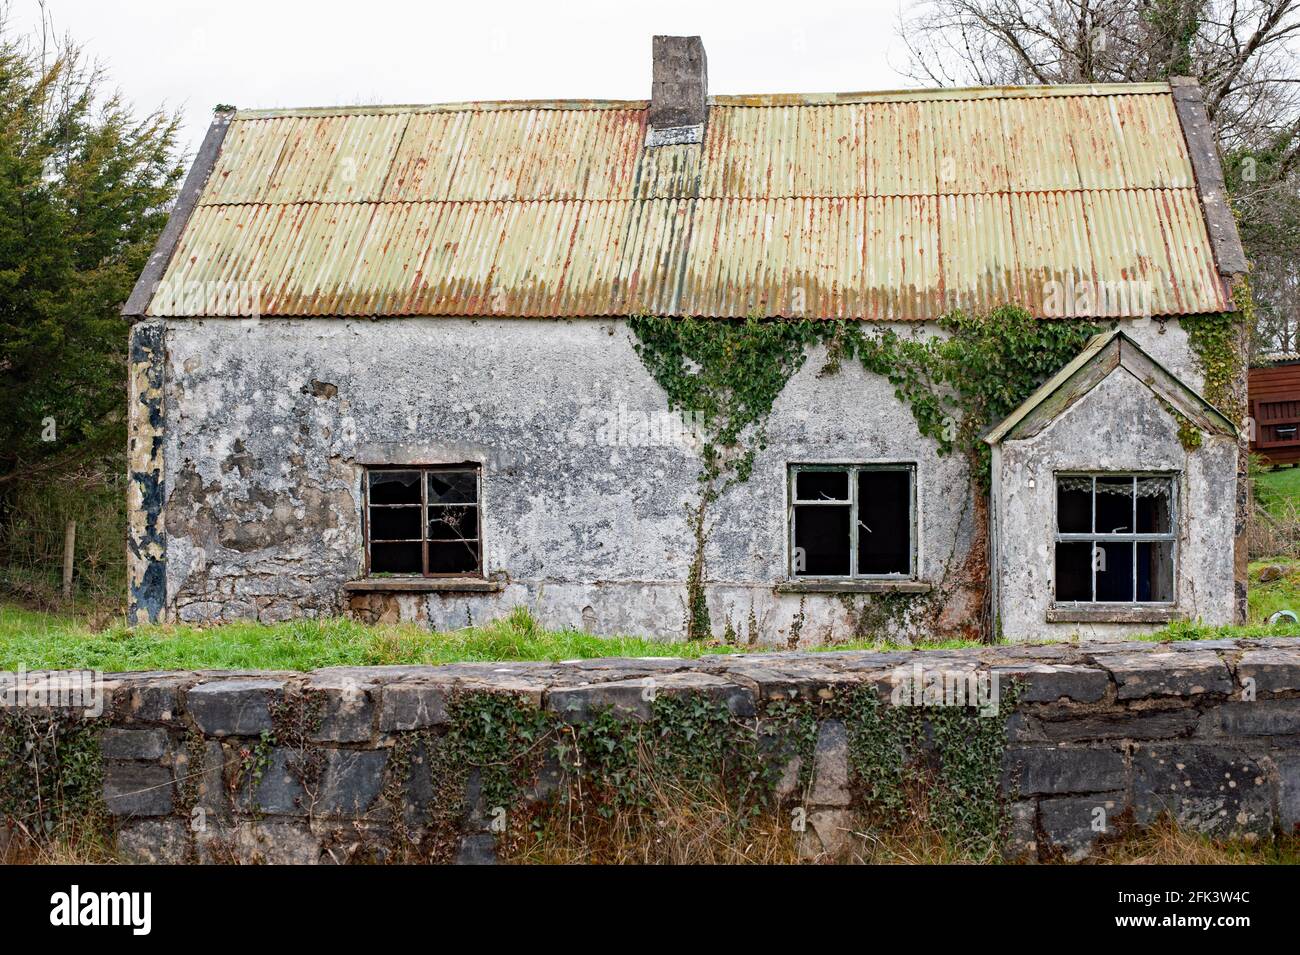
1207	167
1086	370
137	303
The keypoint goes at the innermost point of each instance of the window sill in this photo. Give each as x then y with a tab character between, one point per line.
1120	614
422	585
854	587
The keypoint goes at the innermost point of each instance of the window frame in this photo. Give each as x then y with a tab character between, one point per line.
424	471
913	512
1171	537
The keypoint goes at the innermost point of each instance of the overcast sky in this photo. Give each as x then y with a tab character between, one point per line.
191	55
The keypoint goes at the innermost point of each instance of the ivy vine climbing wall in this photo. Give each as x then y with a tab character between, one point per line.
957	376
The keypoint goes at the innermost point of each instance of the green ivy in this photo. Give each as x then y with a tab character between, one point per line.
691	741
949	756
970	376
499	736
1214	340
51	775
724	376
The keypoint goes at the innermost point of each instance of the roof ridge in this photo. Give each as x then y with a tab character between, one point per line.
531	200
962	93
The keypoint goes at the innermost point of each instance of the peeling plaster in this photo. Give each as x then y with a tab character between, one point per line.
584	519
1118	426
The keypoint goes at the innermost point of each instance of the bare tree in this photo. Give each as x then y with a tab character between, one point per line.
1245	53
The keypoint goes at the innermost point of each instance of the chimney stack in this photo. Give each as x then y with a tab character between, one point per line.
679	91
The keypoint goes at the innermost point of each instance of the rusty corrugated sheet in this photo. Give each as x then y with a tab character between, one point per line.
883	206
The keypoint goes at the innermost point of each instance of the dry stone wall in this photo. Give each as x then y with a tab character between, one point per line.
337	765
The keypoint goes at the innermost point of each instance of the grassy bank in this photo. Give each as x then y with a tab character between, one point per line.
38	640
1274	488
50	641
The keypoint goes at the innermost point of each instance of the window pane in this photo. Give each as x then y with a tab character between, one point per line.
460	557
884	522
453	487
1115	571
1155	581
394	523
395	558
821	485
1074	505
1074	571
1114	506
821	537
1154	505
452	523
394	487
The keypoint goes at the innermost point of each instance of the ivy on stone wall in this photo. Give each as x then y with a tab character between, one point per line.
971	375
615	769
1216	341
725	376
51	776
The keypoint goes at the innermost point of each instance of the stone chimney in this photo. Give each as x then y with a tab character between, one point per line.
679	92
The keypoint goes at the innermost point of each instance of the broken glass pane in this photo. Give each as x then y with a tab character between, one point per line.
821	485
1074	505
884	522
1155	571
821	540
395	558
1154	505
452	523
395	487
1074	570
453	487
1114	506
394	523
447	557
1114	570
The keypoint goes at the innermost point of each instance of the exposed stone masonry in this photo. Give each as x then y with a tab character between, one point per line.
1102	736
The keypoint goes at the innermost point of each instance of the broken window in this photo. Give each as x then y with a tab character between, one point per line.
1115	538
423	521
852	520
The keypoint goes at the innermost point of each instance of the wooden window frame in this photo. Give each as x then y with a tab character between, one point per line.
853	470
424	470
1170	537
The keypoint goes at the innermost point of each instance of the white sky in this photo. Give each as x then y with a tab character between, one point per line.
191	55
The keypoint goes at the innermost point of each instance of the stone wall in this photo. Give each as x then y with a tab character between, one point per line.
221	766
268	426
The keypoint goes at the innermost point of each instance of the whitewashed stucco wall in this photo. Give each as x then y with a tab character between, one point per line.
1118	426
264	470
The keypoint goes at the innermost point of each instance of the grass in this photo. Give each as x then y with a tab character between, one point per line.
52	641
1272	488
689	832
38	640
1280	594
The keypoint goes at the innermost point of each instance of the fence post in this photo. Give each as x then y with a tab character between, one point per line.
69	545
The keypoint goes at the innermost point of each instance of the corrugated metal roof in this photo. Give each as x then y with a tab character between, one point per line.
880	206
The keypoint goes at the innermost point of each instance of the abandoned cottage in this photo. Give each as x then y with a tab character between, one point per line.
432	363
